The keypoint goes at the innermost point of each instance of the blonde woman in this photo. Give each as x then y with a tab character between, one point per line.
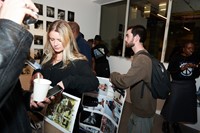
63	64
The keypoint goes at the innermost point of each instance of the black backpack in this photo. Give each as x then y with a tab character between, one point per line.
160	79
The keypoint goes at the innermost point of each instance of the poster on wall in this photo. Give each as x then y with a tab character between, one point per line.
62	112
102	110
39	25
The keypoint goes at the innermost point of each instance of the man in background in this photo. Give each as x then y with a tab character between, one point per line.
84	47
143	108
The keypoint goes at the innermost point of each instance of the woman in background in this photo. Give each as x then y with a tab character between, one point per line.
181	105
64	65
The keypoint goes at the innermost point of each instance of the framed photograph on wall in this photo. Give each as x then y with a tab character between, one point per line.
38	53
61	14
71	16
40	8
50	12
38	25
38	40
47	25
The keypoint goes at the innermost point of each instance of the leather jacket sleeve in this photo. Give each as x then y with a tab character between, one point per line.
15	42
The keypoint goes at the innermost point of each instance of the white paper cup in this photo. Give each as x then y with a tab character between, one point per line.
40	89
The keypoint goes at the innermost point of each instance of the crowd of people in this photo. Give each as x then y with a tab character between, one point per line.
74	64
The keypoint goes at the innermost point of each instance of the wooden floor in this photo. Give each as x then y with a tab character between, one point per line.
157	123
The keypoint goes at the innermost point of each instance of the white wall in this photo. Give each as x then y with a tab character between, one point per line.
87	13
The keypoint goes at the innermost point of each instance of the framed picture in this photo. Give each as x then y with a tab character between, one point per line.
61	14
38	53
38	25
50	12
47	25
38	40
70	16
40	8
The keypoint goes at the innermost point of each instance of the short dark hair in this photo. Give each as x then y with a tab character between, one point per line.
139	30
97	38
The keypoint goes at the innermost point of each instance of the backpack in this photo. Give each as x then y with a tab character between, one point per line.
160	79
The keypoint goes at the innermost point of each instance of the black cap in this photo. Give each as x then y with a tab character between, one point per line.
97	38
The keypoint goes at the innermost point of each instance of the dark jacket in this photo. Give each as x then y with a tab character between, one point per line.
77	77
84	48
15	42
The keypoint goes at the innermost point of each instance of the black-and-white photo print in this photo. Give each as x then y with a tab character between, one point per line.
70	16
39	25
50	11
38	40
38	53
61	14
40	8
47	25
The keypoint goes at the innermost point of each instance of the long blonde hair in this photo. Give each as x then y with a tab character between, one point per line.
70	51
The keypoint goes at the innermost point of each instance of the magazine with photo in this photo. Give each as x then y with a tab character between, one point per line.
62	112
102	109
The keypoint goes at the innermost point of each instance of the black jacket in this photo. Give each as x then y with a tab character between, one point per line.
15	42
77	77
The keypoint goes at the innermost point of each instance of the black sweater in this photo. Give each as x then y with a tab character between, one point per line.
77	77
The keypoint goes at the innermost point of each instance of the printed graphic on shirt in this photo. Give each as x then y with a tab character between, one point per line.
99	53
187	72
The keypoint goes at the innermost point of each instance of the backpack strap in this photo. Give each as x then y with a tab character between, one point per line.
144	83
146	53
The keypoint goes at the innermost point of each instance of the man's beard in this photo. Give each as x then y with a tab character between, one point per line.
130	45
